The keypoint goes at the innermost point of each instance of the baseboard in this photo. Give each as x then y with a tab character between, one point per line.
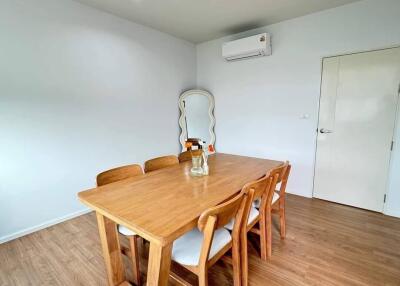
299	193
392	213
38	227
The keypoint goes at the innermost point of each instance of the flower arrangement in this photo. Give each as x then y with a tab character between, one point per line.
210	150
188	145
204	153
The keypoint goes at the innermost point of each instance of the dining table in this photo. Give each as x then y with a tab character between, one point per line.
162	205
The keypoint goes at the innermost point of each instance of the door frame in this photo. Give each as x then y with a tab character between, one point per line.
396	124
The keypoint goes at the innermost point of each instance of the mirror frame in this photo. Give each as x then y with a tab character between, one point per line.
182	117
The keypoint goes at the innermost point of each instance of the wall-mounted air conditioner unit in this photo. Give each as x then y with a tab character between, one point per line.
254	46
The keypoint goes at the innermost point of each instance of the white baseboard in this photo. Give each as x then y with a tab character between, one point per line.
32	229
392	213
300	193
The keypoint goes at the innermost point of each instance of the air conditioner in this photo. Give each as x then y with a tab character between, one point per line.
254	46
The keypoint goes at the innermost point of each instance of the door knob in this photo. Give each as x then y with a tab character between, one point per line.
324	131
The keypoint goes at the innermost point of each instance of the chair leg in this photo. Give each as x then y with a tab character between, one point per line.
237	277
133	244
282	217
263	238
203	276
244	263
268	230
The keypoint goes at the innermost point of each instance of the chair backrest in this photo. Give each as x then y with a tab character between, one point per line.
277	175
160	162
260	186
263	189
217	217
223	212
187	155
256	190
284	177
117	174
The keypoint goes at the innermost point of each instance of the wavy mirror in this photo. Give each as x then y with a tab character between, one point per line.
197	116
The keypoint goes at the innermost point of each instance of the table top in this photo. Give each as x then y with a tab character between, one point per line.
164	204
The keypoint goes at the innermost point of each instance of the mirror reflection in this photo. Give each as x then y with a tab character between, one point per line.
196	116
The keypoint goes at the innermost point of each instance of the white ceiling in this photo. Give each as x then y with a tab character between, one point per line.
202	20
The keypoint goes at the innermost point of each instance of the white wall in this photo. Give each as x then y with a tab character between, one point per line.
260	102
81	91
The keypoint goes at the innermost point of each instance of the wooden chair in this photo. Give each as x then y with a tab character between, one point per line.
278	202
279	195
187	155
202	247
257	213
112	176
160	162
257	191
118	174
265	205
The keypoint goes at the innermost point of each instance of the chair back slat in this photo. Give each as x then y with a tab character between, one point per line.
160	162
118	174
285	178
187	155
223	212
258	186
217	217
256	190
283	171
276	175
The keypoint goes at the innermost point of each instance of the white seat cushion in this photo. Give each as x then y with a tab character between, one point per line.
257	202
186	249
275	197
125	231
252	216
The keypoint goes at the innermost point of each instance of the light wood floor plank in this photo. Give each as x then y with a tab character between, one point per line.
326	244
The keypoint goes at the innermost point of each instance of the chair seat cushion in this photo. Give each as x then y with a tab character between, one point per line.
186	249
252	216
125	231
257	202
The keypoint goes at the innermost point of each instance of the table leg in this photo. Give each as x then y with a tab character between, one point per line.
111	250
159	264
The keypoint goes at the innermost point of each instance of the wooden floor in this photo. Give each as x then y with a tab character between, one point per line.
326	244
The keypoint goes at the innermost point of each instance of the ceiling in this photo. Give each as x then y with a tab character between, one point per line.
202	20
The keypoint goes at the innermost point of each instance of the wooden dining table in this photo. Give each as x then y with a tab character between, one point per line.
162	205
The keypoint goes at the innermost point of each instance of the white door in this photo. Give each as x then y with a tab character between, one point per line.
359	95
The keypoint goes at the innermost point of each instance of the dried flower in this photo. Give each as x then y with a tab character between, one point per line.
188	144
